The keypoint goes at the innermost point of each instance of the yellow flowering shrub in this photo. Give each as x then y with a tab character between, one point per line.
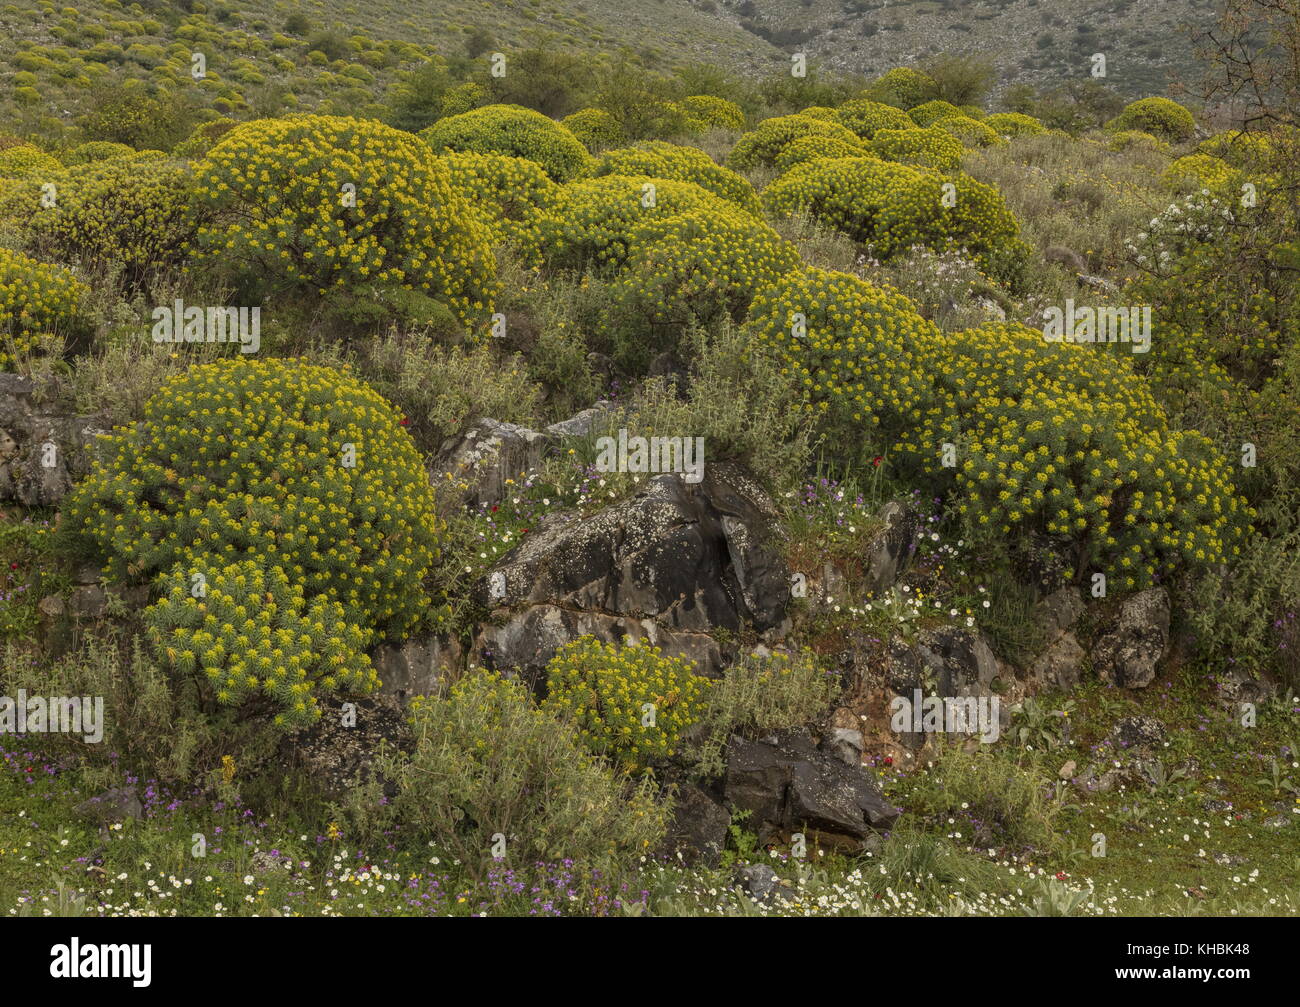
595	128
1202	170
1126	138
902	87
36	301
283	465
97	150
204	138
321	202
711	111
761	146
511	193
930	112
1013	124
139	214
694	266
254	632
810	148
658	159
515	131
627	702
1162	117
892	207
1237	147
971	132
930	148
866	118
593	219
1062	439
26	160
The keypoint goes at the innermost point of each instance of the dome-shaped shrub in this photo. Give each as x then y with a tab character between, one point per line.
97	150
811	148
515	131
1013	124
971	132
242	468
510	193
320	202
930	148
902	87
761	146
866	118
26	160
658	159
1161	117
595	128
712	111
930	112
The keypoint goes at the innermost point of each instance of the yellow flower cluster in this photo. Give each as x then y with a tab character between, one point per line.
1126	138
1013	124
595	128
515	131
658	159
97	150
892	207
1162	117
511	194
711	111
902	87
761	146
629	703
286	464
1062	438
36	301
931	112
929	148
326	202
866	118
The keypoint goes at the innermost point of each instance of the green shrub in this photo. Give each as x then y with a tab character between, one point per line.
283	191
866	118
512	194
595	128
658	159
1159	116
198	143
96	150
1126	138
761	146
515	131
298	478
39	304
487	761
1201	170
625	702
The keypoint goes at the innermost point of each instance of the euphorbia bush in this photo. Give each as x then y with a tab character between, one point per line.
627	702
511	194
515	131
930	148
1163	117
866	118
320	202
278	464
37	301
658	159
762	145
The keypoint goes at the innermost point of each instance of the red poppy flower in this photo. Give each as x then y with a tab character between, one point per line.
877	460
405	422
889	760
